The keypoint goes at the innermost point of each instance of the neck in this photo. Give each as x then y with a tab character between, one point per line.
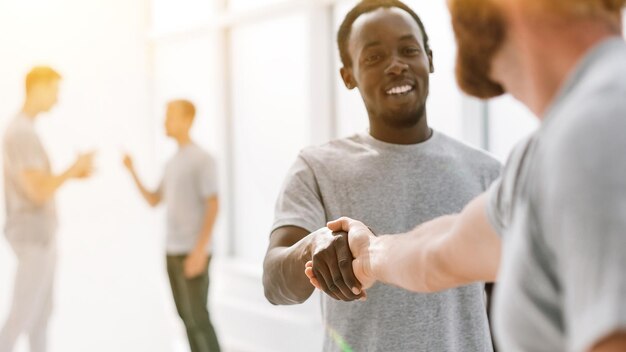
548	57
30	109
183	140
418	133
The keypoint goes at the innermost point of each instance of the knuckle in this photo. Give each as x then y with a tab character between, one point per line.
318	256
345	264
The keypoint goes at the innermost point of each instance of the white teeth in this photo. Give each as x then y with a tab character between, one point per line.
399	90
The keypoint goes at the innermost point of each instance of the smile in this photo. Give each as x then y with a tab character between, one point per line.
400	90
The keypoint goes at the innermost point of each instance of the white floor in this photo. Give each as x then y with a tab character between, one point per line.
112	292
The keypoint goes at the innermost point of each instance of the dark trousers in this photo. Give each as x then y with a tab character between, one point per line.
191	298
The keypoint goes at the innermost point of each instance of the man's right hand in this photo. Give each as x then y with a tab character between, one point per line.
128	163
332	265
361	242
83	166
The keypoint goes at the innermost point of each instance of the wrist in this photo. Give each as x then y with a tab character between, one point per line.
199	250
315	241
69	174
377	250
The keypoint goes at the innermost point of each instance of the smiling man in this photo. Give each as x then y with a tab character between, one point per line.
553	228
396	175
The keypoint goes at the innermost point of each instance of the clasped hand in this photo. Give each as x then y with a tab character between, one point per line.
341	265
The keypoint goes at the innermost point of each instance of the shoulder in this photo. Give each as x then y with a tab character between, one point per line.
588	128
18	131
333	150
201	156
468	154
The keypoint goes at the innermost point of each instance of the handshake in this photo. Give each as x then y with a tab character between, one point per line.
342	264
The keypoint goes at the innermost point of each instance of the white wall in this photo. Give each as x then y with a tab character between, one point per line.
112	293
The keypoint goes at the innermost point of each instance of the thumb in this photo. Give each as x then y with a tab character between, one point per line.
341	224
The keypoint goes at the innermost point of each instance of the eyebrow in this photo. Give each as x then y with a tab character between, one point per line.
377	42
371	44
408	37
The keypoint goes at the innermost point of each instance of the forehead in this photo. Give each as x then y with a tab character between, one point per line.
383	25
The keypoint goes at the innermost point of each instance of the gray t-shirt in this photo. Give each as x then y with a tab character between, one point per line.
561	209
392	188
190	179
26	221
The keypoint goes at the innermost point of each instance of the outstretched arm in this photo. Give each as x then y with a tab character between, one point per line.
446	252
153	198
41	185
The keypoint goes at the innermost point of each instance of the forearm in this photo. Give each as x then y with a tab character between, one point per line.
447	252
151	198
284	280
206	233
41	186
411	260
614	343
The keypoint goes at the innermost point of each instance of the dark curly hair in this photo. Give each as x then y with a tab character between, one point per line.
365	6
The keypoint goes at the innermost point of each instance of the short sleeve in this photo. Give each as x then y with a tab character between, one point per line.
502	192
299	201
493	172
23	151
585	206
495	207
208	177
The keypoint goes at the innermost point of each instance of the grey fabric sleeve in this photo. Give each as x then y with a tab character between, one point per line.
493	173
585	204
208	177
502	193
495	207
299	202
23	153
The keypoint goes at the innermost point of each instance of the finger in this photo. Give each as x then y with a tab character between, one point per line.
337	275
315	283
325	279
336	283
341	224
309	273
312	279
344	260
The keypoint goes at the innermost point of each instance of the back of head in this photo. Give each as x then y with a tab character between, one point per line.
585	7
40	75
605	10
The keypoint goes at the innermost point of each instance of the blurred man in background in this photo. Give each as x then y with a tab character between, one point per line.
31	220
189	190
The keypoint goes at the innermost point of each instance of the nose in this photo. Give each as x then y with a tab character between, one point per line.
396	66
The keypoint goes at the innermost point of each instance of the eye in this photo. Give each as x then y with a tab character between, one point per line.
411	50
372	58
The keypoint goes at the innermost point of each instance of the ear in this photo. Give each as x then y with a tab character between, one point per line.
430	61
348	78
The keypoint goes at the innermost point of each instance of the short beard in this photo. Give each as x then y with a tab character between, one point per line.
404	120
479	28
